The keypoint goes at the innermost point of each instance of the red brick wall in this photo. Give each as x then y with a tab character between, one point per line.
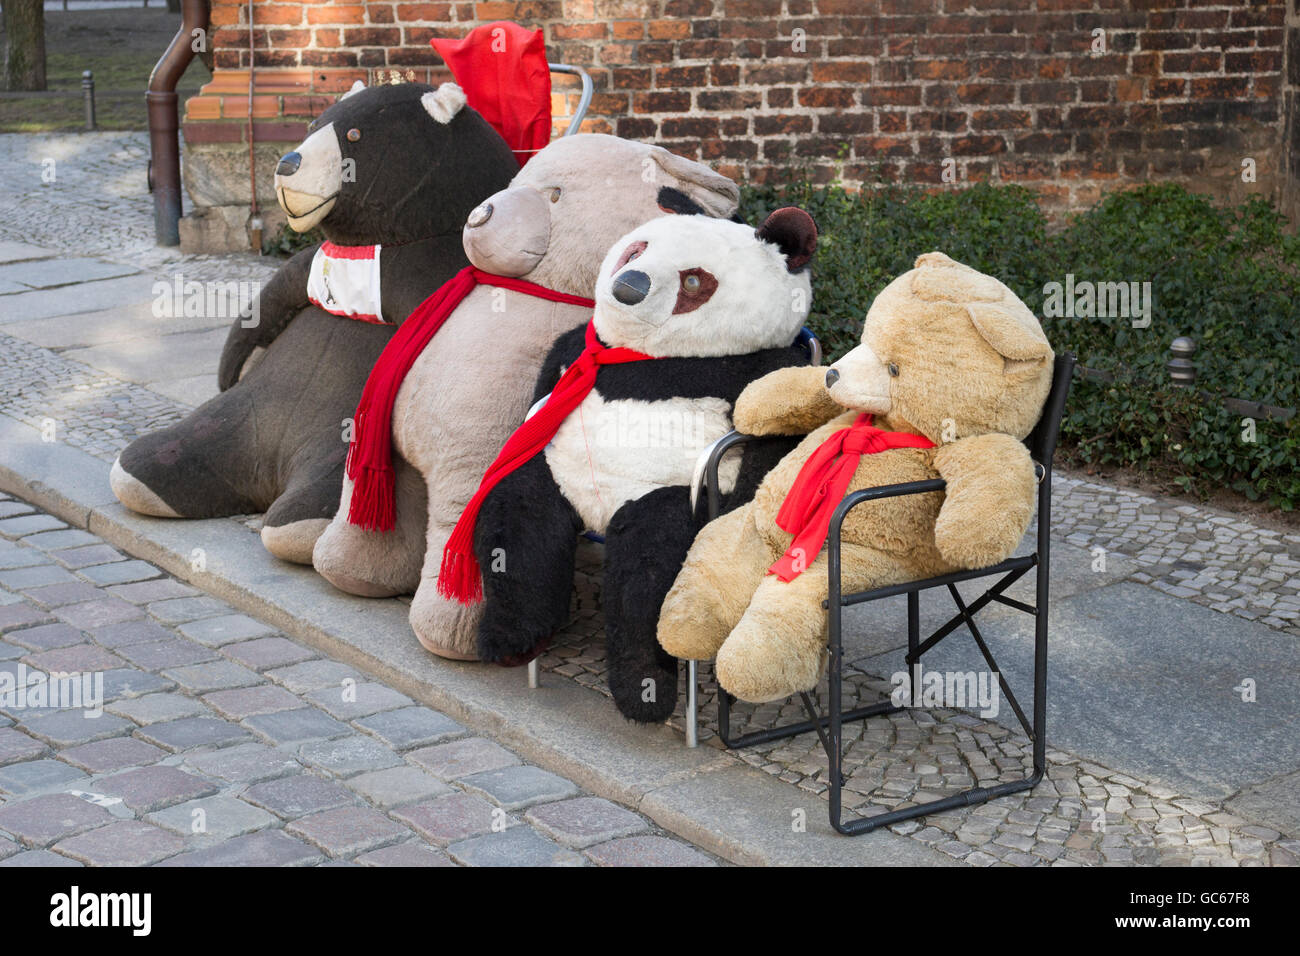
870	89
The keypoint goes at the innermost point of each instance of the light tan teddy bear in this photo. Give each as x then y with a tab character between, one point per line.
954	368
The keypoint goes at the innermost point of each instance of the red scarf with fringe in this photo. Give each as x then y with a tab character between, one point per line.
370	454
822	484
459	577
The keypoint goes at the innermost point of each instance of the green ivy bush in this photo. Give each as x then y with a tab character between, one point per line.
1227	276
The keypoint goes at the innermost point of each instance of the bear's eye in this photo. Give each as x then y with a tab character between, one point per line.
553	194
691	283
696	286
354	135
893	370
313	126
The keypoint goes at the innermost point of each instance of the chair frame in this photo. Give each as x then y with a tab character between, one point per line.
829	725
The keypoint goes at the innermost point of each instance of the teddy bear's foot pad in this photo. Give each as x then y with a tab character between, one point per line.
519	660
294	542
136	495
450	653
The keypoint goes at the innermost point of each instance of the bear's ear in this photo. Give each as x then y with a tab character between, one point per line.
794	233
357	87
1013	332
444	102
716	193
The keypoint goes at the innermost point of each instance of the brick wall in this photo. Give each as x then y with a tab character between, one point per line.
924	91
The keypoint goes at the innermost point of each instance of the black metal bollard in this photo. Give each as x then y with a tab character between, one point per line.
88	91
1180	365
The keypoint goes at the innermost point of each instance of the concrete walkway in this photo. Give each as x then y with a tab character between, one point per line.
1172	717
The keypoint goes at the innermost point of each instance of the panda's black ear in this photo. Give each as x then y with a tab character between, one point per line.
794	233
675	201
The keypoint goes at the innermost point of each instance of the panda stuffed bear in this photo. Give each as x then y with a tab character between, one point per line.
689	310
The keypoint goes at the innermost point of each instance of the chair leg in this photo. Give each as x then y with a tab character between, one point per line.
692	705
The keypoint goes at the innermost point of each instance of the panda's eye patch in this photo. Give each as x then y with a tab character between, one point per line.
630	253
695	288
354	135
893	369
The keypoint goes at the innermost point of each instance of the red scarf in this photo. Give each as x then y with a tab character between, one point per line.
459	576
822	484
370	455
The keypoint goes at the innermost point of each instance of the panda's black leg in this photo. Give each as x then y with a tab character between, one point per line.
645	547
525	540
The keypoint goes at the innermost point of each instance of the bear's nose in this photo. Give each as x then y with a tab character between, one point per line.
832	376
631	287
288	164
479	215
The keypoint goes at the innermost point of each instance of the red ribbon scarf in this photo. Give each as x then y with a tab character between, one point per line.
822	484
370	454
459	576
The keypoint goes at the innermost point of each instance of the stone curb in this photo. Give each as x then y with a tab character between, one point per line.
706	796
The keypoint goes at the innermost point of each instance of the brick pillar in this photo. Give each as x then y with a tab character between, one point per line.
1291	106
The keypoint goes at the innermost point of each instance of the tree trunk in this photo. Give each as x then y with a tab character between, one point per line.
24	22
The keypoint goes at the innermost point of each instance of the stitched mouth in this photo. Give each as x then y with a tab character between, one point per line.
303	215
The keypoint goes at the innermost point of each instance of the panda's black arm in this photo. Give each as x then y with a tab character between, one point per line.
566	348
283	297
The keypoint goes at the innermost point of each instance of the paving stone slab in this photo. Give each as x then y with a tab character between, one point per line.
296	726
647	851
21	579
517	846
410	727
217	675
455	817
154	708
268	652
347	830
264	848
16	745
245	763
112	755
15	617
47	636
153	788
74	659
68	728
313	675
245	702
151	592
22	525
51	541
92	614
129	682
14	555
397	786
123	843
86	555
220	817
347	756
405	855
31	777
57	595
52	273
585	821
225	629
299	795
460	758
119	572
360	700
183	610
517	787
173	652
131	632
187	733
44	820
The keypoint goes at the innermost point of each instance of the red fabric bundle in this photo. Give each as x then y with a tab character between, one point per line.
370	455
459	576
821	485
503	70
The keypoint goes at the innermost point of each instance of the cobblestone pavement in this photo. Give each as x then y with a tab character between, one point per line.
222	742
1081	814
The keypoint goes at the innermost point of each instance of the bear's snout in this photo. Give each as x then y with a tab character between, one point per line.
832	376
509	233
288	164
631	287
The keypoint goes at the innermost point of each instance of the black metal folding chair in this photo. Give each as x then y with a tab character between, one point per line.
1042	446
